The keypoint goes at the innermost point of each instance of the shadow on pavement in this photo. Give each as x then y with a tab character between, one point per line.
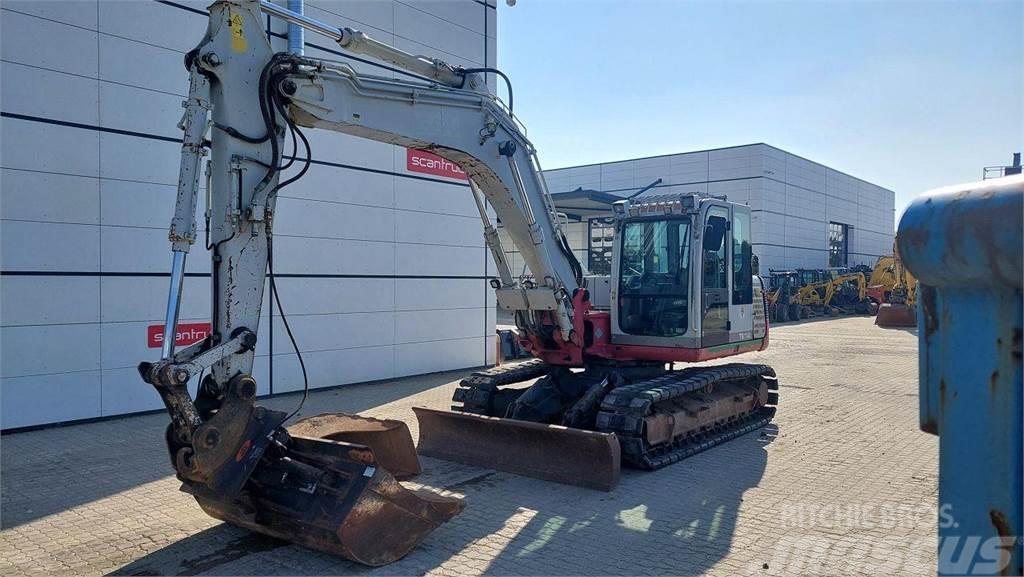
910	330
208	550
50	470
518	526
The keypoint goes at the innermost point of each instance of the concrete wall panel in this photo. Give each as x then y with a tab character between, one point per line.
30	400
48	197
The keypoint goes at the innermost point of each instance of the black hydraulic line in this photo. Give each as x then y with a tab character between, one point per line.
305	142
574	263
291	130
287	327
277	104
508	83
230	130
267	111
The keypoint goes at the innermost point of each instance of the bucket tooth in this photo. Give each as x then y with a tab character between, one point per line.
550	452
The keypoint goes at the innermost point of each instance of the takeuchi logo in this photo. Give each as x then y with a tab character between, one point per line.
429	163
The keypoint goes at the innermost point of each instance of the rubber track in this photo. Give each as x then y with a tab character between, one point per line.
505	374
477	391
623	411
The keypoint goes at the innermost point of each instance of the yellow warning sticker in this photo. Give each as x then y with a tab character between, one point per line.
238	43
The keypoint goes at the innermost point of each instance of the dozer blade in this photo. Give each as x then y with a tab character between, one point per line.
550	452
389	440
893	315
331	496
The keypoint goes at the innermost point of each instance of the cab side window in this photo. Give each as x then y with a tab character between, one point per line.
743	276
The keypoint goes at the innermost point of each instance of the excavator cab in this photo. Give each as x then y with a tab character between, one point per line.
809	276
683	275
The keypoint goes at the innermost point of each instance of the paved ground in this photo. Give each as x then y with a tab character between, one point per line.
844	483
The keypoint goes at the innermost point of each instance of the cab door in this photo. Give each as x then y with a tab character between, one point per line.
716	277
741	309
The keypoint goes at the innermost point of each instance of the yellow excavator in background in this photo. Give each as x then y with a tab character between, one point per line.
882	279
898	304
883	274
795	295
782	289
845	293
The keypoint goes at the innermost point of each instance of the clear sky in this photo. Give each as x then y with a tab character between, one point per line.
907	95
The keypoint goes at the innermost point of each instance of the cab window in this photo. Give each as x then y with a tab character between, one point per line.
743	276
654	277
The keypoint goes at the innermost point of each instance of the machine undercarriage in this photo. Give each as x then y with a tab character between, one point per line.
654	416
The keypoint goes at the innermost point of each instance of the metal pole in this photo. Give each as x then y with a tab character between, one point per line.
296	34
173	303
300	20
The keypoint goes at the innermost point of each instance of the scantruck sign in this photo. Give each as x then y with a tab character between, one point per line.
429	163
188	334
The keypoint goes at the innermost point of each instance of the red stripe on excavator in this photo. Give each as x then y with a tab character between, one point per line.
648	353
572	354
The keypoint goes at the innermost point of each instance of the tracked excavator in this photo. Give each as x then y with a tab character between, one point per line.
844	293
898	309
605	388
783	287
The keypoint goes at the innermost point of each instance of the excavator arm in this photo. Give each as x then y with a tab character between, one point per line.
252	96
471	128
238	460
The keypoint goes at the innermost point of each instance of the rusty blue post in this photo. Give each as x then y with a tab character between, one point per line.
964	244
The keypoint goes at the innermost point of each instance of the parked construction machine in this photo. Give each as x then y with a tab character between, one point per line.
604	389
849	294
897	290
803	293
839	294
783	287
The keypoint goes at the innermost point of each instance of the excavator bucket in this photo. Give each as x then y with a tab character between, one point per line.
896	315
550	452
335	497
389	440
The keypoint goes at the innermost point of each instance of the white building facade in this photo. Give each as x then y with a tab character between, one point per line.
381	266
804	214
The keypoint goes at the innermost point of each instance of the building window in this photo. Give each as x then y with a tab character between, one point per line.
599	259
838	244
